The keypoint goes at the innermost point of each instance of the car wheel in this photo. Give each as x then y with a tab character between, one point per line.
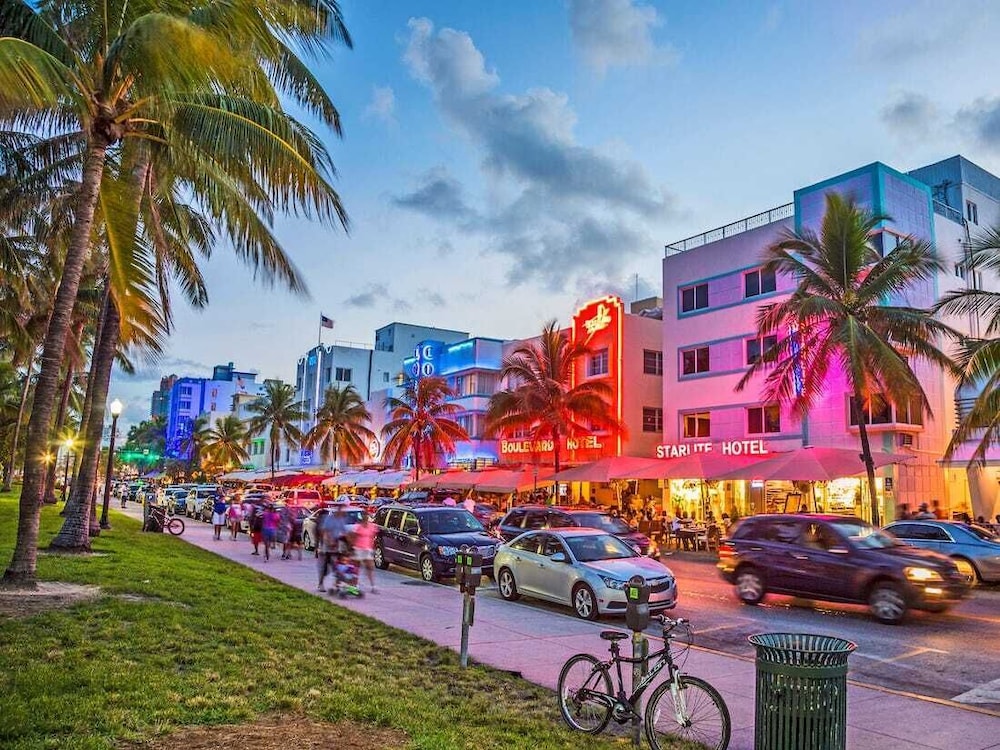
427	571
967	569
380	562
584	602
750	586
507	586
887	603
307	544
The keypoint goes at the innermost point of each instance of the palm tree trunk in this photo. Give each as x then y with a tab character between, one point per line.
80	523
866	456
21	569
49	496
556	453
416	456
8	470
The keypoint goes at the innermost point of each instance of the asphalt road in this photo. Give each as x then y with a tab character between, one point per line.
933	655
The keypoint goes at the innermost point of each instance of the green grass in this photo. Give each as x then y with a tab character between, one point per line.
202	641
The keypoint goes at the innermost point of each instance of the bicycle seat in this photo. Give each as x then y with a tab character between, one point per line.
613	635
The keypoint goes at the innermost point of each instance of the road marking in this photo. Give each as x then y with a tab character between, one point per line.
988	692
893	659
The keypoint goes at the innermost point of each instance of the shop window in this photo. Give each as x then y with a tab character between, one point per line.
756	348
694	361
759	282
652	362
697	425
652	419
763	419
694	298
598	363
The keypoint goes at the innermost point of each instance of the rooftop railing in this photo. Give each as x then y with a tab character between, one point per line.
948	212
729	230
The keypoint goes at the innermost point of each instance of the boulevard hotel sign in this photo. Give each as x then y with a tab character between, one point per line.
726	448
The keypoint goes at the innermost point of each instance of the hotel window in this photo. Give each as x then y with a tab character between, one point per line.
343	374
758	347
971	212
652	419
598	363
694	361
652	362
694	298
698	425
878	411
763	419
758	282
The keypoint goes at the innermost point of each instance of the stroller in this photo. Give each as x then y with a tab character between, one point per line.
345	573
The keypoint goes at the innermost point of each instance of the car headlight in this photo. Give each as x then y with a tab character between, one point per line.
446	551
922	575
613	583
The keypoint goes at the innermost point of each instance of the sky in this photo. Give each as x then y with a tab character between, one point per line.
503	162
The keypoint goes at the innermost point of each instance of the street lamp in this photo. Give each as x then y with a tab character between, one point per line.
115	407
68	445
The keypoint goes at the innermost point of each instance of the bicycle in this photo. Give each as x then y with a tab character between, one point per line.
171	523
682	707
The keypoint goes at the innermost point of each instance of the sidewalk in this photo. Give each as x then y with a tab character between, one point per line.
535	642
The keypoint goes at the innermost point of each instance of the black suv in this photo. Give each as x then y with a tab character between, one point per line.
837	559
533	517
427	538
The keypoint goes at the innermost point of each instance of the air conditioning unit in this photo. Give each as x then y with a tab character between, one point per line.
905	440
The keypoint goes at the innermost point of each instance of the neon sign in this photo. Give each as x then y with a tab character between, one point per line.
599	321
547	445
727	448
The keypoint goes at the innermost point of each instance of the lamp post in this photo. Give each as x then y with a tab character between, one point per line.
68	445
115	408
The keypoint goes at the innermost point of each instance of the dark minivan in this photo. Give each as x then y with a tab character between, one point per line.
533	517
837	559
427	539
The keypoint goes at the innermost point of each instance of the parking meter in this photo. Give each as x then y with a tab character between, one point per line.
637	603
462	568
474	574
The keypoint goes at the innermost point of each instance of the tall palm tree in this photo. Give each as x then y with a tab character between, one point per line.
277	413
340	429
842	319
979	355
420	423
225	443
544	400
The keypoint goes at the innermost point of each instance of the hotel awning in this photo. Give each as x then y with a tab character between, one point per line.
812	464
695	466
603	470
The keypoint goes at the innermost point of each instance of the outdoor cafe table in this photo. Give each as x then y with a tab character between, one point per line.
695	536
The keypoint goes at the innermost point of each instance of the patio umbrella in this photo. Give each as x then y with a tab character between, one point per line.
812	464
694	466
602	470
505	481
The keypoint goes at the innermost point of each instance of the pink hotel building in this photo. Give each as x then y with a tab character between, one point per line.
712	287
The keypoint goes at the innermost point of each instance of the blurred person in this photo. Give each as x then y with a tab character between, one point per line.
219	510
269	529
234	516
363	540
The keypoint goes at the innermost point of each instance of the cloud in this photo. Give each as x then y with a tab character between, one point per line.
558	208
616	33
982	117
382	107
369	297
432	298
910	115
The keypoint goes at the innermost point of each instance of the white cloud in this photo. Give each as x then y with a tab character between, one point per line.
382	106
617	33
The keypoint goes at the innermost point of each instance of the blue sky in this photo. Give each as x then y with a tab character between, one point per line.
503	161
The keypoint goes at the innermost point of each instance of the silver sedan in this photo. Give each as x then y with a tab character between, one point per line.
584	568
975	549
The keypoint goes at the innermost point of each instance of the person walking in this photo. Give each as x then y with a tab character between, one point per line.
234	516
363	540
269	529
332	533
285	531
219	510
256	524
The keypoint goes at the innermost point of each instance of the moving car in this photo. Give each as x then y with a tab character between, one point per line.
312	522
584	568
975	549
304	498
532	517
427	539
837	559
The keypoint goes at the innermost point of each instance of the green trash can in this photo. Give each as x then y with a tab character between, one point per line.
801	701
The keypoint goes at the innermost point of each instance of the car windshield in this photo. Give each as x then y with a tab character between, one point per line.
864	535
982	532
603	522
599	547
450	522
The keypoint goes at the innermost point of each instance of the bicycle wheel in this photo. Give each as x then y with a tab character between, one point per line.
699	715
584	672
175	526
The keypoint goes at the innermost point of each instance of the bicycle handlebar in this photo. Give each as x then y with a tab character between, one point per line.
669	624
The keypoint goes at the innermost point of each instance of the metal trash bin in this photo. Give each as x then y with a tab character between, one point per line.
801	700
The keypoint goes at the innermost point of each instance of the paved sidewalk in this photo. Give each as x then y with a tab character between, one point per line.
535	642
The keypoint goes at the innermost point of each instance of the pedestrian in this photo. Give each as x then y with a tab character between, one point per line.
363	540
256	528
219	509
449	501
269	529
295	538
924	514
284	531
332	533
904	512
234	516
469	504
937	510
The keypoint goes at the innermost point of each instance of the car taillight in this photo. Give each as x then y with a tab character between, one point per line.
727	550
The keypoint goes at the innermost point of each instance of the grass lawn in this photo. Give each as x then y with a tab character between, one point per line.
183	638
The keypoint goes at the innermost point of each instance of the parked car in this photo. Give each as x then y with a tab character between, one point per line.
427	539
975	549
416	497
488	515
837	559
359	500
582	567
199	502
177	496
303	498
312	522
533	517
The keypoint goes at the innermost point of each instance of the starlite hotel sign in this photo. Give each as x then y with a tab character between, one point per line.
726	448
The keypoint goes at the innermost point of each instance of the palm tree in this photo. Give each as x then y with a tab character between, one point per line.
979	355
277	413
225	444
340	428
841	320
420	423
544	400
